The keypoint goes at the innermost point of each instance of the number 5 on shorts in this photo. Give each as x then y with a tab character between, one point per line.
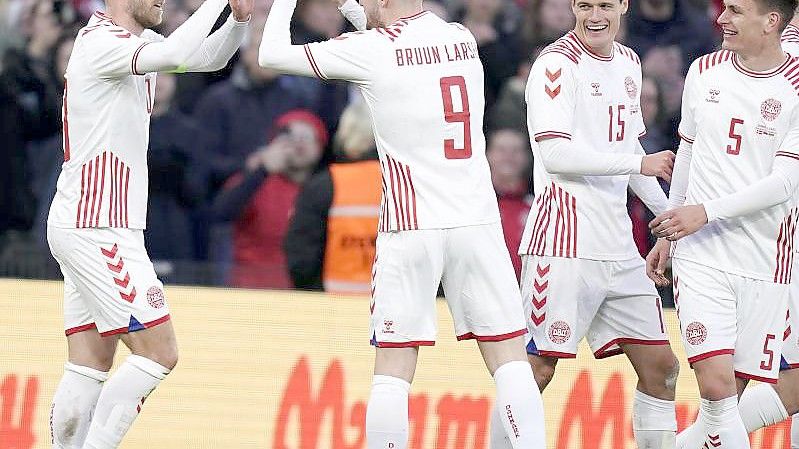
766	365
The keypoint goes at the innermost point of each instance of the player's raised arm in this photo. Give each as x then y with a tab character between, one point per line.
347	57
353	12
173	53
276	51
217	49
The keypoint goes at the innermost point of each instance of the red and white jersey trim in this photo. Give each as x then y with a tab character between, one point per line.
93	196
563	242
785	246
399	197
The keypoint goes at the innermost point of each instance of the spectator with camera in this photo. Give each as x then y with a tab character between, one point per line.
259	200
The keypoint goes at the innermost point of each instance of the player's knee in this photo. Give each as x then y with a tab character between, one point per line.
168	356
716	386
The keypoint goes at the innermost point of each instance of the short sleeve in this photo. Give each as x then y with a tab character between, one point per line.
687	128
551	95
351	56
111	52
790	145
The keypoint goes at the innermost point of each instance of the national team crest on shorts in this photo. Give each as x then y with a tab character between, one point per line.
695	333
770	109
559	332
630	87
155	297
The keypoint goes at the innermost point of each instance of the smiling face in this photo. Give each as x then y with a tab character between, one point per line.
744	25
148	13
597	22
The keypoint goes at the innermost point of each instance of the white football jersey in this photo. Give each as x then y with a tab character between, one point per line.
594	101
790	43
106	118
739	121
423	82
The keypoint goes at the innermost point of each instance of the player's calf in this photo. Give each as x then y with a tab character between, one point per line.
73	404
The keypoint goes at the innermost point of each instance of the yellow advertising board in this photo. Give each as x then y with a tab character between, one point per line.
285	370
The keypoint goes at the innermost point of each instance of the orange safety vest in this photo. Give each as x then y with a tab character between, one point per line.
352	227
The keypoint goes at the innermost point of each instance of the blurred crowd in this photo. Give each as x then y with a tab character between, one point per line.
251	172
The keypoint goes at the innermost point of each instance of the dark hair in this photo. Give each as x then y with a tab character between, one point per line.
785	8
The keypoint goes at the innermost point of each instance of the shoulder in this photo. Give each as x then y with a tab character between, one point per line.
791	75
563	49
710	62
627	53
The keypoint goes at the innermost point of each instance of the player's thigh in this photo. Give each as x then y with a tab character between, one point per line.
480	284
630	315
762	307
560	296
407	272
113	275
706	308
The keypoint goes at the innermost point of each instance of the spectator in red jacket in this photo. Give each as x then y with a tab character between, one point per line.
509	157
260	199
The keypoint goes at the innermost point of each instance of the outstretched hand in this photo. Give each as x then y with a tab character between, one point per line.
241	9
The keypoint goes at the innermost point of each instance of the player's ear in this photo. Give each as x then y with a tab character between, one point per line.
625	4
773	22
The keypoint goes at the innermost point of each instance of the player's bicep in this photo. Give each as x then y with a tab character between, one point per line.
348	57
550	95
112	53
687	127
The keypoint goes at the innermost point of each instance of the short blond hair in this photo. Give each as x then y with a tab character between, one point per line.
354	136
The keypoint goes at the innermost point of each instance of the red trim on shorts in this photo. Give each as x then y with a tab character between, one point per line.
768	380
407	344
707	355
147	325
791	366
121	330
500	337
603	353
154	323
75	330
556	354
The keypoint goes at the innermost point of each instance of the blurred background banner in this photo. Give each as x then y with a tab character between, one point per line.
287	370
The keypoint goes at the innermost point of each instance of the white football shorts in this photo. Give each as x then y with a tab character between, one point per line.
109	281
608	302
474	267
723	313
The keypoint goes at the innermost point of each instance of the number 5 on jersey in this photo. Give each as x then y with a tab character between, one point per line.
448	84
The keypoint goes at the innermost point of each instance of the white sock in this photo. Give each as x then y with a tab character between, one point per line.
387	413
761	406
723	426
73	404
795	431
693	436
521	409
497	437
654	422
121	401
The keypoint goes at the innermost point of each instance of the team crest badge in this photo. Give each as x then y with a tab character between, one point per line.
155	297
559	332
630	87
695	333
770	109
